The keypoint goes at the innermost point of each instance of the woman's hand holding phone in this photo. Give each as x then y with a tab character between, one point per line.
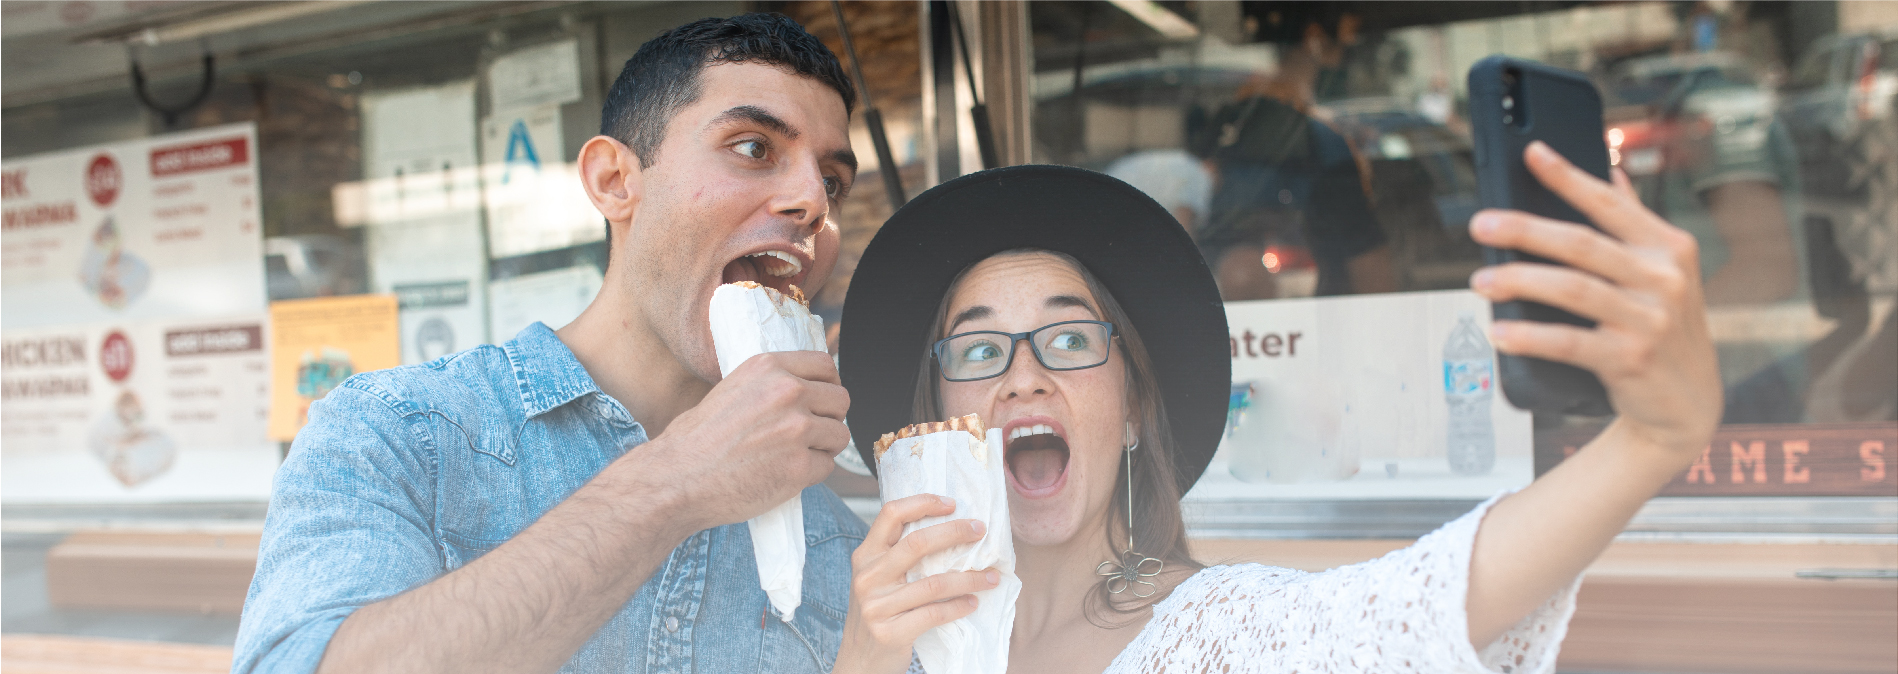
1639	278
887	613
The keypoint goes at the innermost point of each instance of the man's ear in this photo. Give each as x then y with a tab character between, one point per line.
609	171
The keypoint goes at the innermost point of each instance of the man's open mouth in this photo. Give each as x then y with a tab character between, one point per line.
1037	458
773	269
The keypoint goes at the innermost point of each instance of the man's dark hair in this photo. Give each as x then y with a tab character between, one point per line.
663	76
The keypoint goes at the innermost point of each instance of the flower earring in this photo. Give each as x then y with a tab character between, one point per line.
1132	571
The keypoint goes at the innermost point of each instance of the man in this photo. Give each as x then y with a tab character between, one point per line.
575	499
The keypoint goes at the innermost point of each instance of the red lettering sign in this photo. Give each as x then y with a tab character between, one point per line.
103	180
168	161
13	184
1851	459
115	356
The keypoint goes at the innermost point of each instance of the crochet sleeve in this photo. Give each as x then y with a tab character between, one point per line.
1403	612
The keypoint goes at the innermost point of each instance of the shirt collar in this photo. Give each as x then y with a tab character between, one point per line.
546	370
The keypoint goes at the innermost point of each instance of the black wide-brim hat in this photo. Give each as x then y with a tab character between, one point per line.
1129	242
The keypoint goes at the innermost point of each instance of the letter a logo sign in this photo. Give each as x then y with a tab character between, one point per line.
520	150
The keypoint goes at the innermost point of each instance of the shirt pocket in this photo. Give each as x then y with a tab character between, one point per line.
827	573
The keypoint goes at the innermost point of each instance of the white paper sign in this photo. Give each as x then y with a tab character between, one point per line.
544	75
1365	397
551	297
425	238
161	227
532	193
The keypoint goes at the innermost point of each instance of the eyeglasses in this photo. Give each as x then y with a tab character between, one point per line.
1068	345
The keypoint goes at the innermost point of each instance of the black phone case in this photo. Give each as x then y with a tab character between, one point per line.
1560	108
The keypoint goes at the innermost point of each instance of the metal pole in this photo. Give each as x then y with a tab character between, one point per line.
886	162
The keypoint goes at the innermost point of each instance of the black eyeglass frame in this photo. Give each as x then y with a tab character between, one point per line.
1014	341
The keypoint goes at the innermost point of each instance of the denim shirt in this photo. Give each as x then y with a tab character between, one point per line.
406	474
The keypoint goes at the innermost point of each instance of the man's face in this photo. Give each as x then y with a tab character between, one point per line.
742	190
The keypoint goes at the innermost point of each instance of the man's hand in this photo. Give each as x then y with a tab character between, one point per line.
764	433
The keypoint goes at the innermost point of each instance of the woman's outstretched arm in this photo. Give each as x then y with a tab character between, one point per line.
1639	279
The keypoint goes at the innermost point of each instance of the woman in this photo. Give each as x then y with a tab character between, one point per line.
1127	365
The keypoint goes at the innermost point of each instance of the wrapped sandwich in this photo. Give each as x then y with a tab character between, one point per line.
749	319
959	459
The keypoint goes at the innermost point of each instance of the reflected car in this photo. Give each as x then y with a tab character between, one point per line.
1685	112
312	265
1839	105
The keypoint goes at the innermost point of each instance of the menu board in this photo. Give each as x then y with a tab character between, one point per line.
132	361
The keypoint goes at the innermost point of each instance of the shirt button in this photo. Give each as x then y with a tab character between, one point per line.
672	624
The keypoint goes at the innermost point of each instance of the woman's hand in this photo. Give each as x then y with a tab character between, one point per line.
886	612
1638	278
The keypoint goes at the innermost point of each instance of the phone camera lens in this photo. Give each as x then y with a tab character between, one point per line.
1509	102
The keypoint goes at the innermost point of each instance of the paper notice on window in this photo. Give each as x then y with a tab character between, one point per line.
530	188
544	75
551	297
317	344
424	239
1367	396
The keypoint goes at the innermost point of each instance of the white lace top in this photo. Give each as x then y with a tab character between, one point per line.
1403	612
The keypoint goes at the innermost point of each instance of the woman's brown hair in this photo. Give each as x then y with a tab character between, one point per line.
1161	531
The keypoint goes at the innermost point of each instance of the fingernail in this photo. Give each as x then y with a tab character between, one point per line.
1482	280
993	577
1541	150
978	527
1498	333
1485	223
946	501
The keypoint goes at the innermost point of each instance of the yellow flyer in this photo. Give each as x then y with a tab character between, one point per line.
317	343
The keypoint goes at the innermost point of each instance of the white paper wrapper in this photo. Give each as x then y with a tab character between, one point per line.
956	464
749	319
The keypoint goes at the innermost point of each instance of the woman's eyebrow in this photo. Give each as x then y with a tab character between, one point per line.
970	314
1064	301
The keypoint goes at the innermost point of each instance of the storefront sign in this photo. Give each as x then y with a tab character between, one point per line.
320	342
132	294
1848	459
1371	396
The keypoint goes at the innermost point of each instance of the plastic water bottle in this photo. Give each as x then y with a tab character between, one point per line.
1468	384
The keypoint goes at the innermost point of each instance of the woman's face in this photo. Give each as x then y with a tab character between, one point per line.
1064	430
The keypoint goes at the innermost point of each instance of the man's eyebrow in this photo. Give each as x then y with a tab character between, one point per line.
758	116
1064	301
970	314
845	157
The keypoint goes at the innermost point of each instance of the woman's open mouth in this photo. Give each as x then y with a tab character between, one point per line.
1037	456
774	269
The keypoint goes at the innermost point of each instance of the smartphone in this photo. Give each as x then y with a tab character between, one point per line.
1514	102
